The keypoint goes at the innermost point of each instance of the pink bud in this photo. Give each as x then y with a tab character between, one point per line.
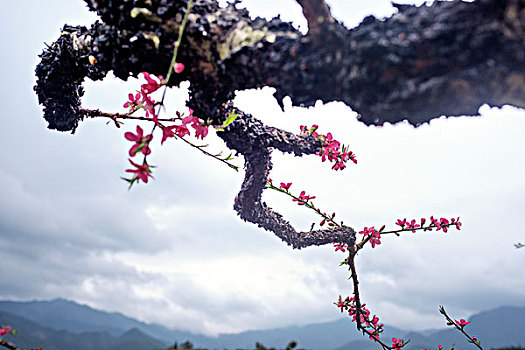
179	67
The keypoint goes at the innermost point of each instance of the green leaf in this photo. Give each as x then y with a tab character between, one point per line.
230	119
140	10
153	37
131	181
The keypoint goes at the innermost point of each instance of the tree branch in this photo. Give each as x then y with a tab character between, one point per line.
8	345
445	59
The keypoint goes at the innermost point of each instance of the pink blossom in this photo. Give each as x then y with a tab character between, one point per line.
133	101
397	343
189	119
341	304
5	330
444	224
436	223
375	320
142	171
375	236
303	198
285	186
401	223
180	130
331	149
148	104
141	142
457	223
151	86
200	130
179	67
462	323
340	246
412	225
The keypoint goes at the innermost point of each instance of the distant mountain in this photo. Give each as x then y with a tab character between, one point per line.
498	328
31	335
73	317
61	314
59	323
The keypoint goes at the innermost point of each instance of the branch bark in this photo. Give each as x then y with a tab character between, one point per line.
255	142
8	345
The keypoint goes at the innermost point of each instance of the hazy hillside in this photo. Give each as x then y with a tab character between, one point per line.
68	315
32	334
64	325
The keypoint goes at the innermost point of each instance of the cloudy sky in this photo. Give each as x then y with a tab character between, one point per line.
174	251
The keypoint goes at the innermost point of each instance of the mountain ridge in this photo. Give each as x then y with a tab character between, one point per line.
60	315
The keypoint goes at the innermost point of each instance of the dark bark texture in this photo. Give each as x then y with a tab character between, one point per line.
448	58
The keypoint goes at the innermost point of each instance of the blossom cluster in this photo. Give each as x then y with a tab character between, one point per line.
141	142
461	323
438	224
331	149
373	235
371	325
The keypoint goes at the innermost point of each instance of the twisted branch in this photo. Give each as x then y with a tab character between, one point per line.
423	62
256	147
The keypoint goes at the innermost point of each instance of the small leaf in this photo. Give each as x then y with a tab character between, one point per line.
153	37
140	10
139	149
230	119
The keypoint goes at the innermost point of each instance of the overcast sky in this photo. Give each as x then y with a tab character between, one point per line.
174	252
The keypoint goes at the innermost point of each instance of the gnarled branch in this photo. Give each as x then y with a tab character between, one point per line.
423	62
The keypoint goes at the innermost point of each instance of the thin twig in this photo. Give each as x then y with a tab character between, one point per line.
200	148
306	203
8	345
352	251
95	113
